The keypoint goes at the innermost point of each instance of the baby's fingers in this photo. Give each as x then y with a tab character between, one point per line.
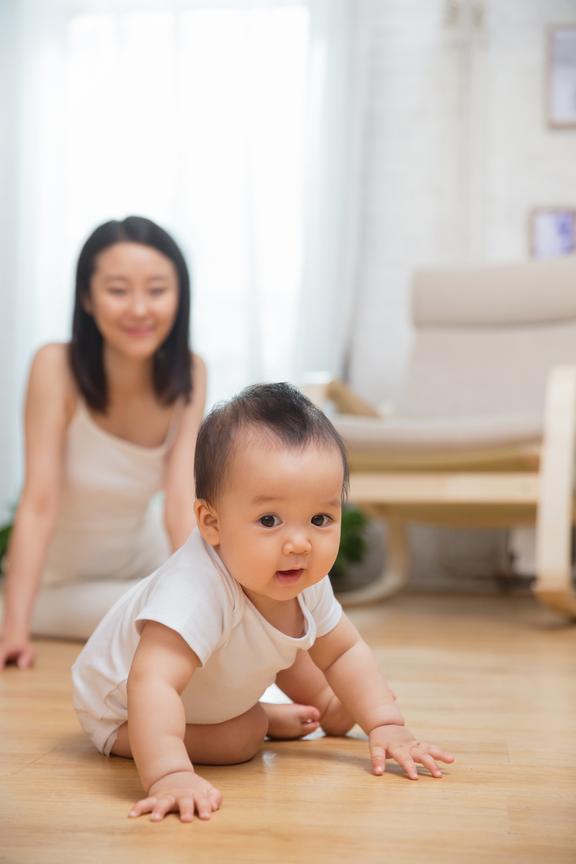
215	797
186	809
429	763
157	806
426	754
164	805
405	760
437	753
378	759
204	807
145	805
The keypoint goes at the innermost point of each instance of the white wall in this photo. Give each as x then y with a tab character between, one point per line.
457	153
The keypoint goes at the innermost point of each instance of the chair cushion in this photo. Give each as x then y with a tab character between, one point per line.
478	371
371	434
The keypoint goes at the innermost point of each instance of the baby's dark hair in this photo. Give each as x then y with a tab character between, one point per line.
278	409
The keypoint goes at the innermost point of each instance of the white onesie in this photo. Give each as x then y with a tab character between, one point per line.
193	594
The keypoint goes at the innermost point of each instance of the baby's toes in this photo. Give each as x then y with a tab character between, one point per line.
291	721
309	715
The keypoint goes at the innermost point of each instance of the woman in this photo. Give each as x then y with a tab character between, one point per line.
111	419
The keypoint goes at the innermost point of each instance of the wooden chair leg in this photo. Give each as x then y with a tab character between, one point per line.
561	601
556	503
554	585
394	574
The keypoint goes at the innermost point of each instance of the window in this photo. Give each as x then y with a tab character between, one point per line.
194	118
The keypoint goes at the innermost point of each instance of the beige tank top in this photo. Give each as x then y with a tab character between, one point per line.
109	526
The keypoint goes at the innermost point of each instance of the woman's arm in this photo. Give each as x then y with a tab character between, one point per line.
49	402
179	493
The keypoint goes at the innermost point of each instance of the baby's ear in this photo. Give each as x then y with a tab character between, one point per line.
207	520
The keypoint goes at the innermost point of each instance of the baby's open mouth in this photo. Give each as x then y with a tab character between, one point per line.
289	575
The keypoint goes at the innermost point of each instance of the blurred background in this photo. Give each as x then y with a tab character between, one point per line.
307	156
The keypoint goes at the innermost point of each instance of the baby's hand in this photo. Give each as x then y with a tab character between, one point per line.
184	792
397	742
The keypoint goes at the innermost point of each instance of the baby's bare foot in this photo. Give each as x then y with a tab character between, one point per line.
291	721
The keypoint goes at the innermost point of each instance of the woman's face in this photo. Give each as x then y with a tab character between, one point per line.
133	298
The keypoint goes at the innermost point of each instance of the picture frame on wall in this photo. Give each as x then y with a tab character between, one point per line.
552	232
561	89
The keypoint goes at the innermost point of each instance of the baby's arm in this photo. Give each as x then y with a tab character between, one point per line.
352	671
162	667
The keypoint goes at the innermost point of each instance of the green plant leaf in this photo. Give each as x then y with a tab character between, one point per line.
352	541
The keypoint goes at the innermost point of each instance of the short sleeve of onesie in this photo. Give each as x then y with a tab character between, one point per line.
195	601
323	605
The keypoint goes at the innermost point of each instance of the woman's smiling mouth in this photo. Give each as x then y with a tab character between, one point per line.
138	331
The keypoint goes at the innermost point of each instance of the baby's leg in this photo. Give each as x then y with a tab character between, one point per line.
305	683
228	743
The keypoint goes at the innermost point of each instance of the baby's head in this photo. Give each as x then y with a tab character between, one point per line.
271	474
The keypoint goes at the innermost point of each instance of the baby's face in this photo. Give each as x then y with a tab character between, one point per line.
279	516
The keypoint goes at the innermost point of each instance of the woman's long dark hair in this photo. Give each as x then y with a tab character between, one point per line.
171	375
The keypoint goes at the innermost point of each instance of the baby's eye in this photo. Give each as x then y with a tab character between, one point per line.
157	290
269	521
117	290
321	519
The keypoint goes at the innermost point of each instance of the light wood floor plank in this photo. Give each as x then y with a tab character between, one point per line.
492	679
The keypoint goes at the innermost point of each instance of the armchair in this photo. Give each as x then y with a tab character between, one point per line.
485	430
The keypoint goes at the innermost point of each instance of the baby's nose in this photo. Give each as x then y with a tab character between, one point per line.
297	544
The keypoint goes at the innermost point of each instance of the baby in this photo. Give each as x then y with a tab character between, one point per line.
173	674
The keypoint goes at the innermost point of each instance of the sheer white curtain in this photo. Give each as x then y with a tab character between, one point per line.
339	50
219	120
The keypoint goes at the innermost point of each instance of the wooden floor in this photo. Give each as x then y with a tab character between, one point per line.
492	679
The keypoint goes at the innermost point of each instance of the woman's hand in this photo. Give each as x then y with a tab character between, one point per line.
16	650
397	742
182	792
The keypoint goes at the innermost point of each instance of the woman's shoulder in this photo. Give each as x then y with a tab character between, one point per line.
52	355
50	374
198	368
194	407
